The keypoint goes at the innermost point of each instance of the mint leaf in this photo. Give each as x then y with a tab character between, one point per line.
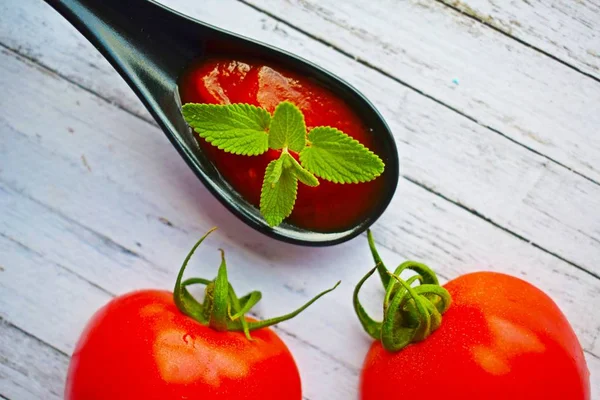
336	157
275	173
278	195
287	128
298	170
234	128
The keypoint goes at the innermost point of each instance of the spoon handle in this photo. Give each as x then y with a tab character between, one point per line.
148	44
135	35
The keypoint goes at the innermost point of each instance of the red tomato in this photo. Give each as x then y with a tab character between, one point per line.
501	338
141	347
153	344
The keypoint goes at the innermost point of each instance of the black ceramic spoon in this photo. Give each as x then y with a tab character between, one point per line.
150	45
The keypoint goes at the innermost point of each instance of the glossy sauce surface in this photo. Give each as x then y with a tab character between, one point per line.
328	207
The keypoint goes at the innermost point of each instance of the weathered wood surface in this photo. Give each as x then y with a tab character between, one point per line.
95	202
29	368
516	91
566	30
440	149
101	230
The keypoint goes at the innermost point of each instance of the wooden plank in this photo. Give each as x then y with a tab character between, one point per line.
43	298
439	149
40	43
29	368
567	30
593	363
513	89
118	198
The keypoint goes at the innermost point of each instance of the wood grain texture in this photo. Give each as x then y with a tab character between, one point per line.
96	202
567	30
510	88
30	28
29	368
126	219
439	149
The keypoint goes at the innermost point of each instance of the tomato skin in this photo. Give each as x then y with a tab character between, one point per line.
502	338
140	346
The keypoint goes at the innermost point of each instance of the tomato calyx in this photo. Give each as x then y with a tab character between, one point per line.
222	310
410	313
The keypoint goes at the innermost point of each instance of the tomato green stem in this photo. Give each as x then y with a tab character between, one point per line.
248	302
276	320
410	313
222	310
184	301
220	299
381	269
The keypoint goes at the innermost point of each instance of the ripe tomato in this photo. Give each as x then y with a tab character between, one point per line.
140	346
158	345
500	339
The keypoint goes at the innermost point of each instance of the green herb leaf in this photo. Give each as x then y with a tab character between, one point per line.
248	130
287	128
234	128
278	194
336	157
299	171
275	173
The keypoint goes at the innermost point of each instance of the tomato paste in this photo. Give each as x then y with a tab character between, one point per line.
328	207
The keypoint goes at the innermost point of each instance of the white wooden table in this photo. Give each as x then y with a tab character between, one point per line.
496	113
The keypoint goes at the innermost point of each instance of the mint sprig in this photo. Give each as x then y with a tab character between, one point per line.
324	152
301	173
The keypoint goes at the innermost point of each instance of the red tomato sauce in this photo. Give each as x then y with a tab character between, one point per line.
328	207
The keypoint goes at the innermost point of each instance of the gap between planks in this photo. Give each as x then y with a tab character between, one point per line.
497	225
33	60
32	336
417	90
15	53
481	20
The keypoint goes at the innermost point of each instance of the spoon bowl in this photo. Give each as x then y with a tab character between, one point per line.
150	46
